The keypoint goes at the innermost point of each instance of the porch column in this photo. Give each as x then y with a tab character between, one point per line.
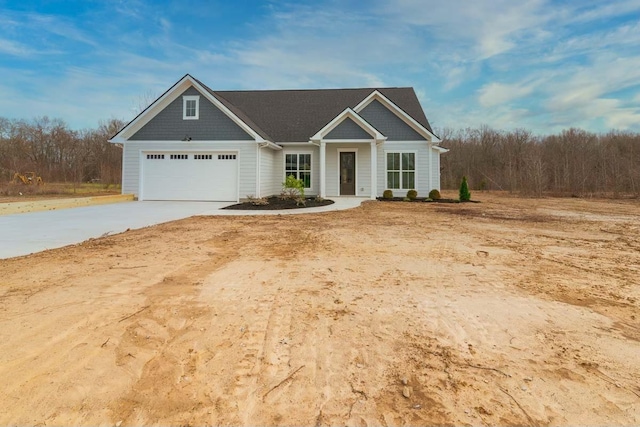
323	169
374	170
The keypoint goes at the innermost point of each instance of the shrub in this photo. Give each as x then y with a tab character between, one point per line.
387	194
257	201
434	194
412	194
465	196
292	188
406	199
319	199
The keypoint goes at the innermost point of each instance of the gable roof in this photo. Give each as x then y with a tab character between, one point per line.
296	115
293	115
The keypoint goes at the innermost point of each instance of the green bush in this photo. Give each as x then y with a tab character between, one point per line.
387	194
465	196
412	194
434	194
292	188
406	199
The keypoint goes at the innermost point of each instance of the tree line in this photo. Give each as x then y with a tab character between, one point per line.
53	151
572	163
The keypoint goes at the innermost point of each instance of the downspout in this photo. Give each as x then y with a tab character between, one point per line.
258	178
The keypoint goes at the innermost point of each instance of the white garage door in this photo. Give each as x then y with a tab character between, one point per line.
189	176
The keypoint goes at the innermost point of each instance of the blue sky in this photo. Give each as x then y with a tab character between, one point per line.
535	64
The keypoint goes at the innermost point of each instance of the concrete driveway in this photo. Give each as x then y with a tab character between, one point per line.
26	233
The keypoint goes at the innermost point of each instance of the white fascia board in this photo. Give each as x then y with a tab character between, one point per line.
152	110
348	113
440	149
273	146
161	103
117	140
398	112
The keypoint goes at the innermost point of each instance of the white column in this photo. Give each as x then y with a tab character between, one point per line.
374	170
323	169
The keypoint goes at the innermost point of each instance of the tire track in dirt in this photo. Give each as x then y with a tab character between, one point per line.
160	347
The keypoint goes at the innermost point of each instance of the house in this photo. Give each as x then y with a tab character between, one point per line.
194	143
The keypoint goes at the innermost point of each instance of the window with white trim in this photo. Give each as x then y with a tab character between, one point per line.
401	171
190	107
298	165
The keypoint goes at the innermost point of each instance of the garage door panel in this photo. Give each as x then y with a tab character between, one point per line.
190	176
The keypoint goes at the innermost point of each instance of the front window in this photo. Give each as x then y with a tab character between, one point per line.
190	107
299	165
401	171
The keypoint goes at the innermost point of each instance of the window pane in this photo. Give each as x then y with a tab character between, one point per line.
291	162
306	179
191	108
393	161
408	161
393	179
408	180
305	162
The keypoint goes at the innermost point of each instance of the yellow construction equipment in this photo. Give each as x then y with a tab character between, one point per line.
27	179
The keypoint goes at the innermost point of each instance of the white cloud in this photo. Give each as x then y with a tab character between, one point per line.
494	94
9	47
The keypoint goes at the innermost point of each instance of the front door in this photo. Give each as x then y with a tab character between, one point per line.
347	173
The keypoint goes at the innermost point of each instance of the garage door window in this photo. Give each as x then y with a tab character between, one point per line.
226	156
203	156
155	156
179	157
299	165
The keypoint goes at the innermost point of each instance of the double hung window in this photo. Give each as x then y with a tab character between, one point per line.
299	165
401	171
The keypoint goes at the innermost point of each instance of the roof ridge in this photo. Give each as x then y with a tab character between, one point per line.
316	89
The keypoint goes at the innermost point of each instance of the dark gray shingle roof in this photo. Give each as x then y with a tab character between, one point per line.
296	115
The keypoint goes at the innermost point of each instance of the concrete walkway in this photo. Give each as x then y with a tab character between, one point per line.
26	233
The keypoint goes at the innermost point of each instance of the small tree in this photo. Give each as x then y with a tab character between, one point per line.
465	196
293	189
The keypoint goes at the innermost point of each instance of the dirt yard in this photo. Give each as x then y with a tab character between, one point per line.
507	312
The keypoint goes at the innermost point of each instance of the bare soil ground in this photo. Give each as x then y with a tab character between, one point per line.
508	312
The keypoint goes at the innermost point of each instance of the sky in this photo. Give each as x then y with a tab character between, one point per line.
541	65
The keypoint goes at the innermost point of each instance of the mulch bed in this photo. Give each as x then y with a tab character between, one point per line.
277	203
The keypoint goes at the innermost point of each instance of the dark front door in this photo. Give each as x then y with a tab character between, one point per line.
347	173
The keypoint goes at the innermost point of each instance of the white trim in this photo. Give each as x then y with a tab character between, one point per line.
398	112
348	113
284	165
167	98
440	149
258	168
373	155
323	169
355	176
185	100
415	169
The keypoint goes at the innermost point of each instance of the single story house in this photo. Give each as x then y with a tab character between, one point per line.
194	143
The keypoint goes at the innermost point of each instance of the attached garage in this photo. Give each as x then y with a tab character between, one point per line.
189	175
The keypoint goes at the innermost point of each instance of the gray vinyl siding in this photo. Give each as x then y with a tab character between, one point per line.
363	168
348	129
246	160
212	124
423	168
387	123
